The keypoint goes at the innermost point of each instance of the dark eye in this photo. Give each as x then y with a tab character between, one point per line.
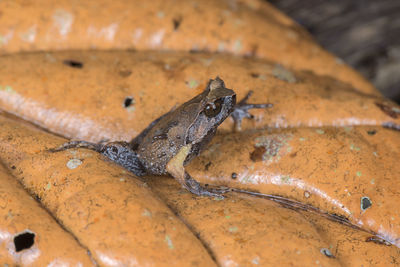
213	109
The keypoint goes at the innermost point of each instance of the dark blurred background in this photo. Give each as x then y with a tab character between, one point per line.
364	33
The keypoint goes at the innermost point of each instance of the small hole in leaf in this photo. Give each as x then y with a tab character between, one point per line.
23	241
177	22
128	101
207	165
73	63
371	132
365	203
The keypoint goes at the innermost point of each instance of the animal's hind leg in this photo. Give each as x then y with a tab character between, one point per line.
119	152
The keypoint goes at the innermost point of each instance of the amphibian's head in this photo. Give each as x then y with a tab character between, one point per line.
219	102
192	124
215	104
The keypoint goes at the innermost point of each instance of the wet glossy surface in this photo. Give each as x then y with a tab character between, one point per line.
322	144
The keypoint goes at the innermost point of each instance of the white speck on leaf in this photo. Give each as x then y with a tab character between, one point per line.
169	242
73	163
30	35
157	38
63	20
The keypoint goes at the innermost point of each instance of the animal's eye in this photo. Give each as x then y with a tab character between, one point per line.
213	109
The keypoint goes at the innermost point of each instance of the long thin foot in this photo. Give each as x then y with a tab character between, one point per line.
241	110
119	152
194	187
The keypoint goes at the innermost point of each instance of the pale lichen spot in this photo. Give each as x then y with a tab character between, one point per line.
146	213
109	31
233	229
218	198
283	74
192	83
169	242
354	147
137	35
48	186
74	163
29	36
237	46
63	20
160	14
320	131
5	38
256	260
156	39
286	179
7	89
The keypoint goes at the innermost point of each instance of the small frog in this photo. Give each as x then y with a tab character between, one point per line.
175	138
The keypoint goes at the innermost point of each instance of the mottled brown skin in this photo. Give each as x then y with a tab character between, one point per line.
172	140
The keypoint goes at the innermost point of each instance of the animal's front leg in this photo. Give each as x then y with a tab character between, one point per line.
241	110
119	152
176	169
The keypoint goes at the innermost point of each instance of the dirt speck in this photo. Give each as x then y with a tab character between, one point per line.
257	154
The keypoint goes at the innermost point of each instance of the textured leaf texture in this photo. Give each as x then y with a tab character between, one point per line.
314	177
